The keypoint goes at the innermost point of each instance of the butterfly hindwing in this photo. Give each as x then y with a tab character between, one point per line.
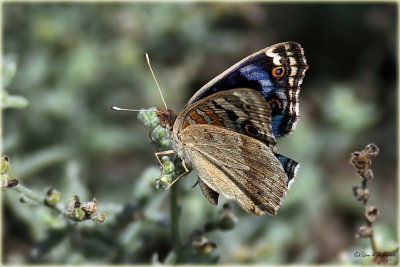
210	194
276	72
289	166
237	166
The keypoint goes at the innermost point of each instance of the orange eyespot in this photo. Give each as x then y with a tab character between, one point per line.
278	72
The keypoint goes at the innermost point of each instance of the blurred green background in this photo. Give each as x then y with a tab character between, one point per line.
76	60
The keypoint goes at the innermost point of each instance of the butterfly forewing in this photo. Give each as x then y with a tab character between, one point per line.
276	72
241	110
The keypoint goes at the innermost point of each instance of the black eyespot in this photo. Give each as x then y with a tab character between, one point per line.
250	129
275	104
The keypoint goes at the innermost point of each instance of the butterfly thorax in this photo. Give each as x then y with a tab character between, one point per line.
167	120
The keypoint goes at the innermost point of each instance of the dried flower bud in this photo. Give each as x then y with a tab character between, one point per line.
366	174
53	197
77	201
6	181
12	183
360	160
89	207
364	231
372	150
371	213
361	193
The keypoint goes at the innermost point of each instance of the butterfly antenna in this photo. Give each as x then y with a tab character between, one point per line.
128	109
154	76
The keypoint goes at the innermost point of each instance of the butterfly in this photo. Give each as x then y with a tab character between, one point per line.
227	131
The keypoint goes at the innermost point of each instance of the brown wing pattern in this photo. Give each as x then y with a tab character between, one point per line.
241	110
236	166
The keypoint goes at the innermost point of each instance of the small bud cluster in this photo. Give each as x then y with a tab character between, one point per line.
53	197
158	133
6	180
168	172
80	211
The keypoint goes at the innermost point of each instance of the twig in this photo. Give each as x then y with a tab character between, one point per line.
35	197
74	209
362	160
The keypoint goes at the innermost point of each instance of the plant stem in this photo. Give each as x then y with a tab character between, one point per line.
35	197
25	191
174	213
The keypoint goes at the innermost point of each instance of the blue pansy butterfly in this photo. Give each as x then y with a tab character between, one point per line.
227	131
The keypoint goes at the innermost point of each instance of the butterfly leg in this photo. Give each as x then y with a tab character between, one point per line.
183	174
163	153
169	152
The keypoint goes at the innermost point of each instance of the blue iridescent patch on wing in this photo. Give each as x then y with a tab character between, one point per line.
276	124
257	73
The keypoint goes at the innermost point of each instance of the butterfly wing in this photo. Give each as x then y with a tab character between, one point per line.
241	110
237	166
276	72
245	112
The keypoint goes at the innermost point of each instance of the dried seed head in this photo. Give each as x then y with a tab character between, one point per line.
361	193
89	207
366	174
371	213
372	150
364	231
360	160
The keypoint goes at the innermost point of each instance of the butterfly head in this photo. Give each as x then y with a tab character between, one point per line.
167	118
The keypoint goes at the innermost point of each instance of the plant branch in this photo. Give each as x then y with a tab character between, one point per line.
175	214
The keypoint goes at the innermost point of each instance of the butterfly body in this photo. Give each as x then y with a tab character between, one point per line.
227	132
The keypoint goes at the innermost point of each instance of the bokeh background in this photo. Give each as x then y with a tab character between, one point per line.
73	61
